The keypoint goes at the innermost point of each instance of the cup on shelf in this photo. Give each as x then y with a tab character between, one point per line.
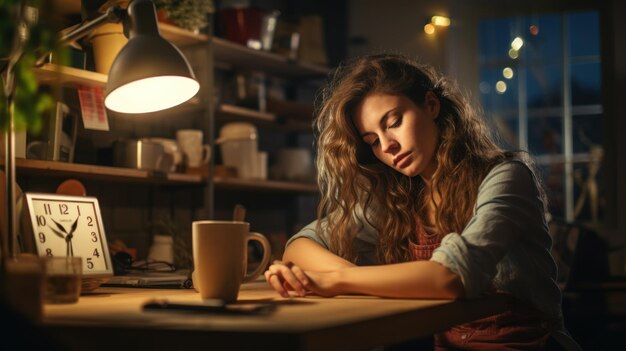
261	165
238	144
190	142
172	150
295	164
220	256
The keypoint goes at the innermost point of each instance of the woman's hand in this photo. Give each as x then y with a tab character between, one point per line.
286	276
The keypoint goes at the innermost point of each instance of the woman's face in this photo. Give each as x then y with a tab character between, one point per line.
401	134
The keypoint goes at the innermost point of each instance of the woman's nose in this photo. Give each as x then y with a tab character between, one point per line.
389	145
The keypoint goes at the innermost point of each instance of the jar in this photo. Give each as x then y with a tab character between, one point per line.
162	249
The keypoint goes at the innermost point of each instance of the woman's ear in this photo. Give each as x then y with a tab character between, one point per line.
432	104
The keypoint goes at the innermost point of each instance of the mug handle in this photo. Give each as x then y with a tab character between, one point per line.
266	256
206	151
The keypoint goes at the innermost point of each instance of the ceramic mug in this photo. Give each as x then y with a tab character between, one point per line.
190	143
220	256
171	148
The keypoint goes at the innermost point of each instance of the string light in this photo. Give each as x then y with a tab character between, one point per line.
507	72
429	29
517	43
436	21
501	87
534	30
440	21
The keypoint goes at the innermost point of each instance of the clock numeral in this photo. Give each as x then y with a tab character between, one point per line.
42	237
48	252
96	253
78	209
89	263
89	221
63	208
94	237
46	209
41	221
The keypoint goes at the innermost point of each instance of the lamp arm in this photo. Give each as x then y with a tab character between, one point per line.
28	16
113	14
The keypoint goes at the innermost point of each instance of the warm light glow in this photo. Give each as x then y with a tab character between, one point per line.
429	29
152	94
513	54
507	72
440	21
500	87
517	43
534	30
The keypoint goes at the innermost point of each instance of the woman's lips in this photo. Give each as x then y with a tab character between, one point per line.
402	160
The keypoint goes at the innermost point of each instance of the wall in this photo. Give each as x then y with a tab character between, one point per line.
396	25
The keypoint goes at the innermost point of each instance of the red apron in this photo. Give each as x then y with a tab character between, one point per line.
520	327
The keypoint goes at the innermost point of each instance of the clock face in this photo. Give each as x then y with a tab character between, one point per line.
70	226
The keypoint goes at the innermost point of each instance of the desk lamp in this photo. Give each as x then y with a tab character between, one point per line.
149	74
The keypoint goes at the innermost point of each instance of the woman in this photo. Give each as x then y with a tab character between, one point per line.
418	201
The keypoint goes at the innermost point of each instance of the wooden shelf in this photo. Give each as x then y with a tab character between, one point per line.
57	74
264	185
292	110
237	113
181	37
233	55
114	174
231	113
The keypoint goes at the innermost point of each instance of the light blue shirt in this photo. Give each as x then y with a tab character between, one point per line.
505	245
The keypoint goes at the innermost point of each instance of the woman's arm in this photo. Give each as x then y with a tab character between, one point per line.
421	279
302	254
309	255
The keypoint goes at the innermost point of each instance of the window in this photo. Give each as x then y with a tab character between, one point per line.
540	86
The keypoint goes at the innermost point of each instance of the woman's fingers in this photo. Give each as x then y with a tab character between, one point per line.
289	276
275	282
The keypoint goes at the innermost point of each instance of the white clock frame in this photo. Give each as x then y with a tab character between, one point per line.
93	277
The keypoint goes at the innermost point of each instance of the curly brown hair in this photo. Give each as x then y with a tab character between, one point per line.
352	179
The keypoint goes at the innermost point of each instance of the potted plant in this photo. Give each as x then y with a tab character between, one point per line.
187	14
30	103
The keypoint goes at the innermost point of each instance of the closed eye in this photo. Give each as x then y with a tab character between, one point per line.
395	123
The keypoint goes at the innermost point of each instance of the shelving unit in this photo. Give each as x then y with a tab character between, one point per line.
276	207
188	196
113	174
233	55
265	185
69	76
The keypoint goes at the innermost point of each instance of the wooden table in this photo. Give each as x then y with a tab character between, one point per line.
113	319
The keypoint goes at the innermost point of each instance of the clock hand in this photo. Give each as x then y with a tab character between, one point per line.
59	226
70	235
59	234
74	225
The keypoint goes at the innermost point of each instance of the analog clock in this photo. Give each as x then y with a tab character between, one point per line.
69	226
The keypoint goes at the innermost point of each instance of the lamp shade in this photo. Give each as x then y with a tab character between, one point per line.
149	73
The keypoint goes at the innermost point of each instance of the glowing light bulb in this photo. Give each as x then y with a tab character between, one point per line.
501	87
507	72
513	53
517	43
440	21
429	29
